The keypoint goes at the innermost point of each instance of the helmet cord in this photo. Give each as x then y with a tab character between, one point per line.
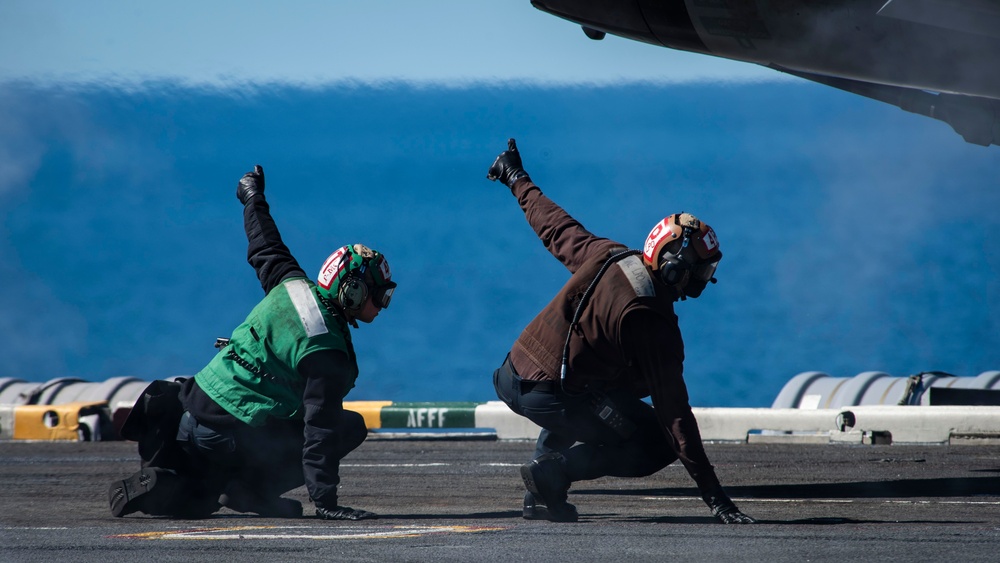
579	310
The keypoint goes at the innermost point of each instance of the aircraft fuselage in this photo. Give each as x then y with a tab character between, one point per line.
939	45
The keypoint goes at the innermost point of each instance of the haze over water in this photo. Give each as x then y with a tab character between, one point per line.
856	236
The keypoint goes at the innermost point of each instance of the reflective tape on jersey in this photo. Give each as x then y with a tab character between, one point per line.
307	307
638	276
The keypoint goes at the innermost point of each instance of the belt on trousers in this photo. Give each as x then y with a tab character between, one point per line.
542	386
527	385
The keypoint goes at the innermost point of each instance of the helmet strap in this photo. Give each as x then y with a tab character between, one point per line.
685	240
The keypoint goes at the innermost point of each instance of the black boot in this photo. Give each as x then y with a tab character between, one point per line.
535	509
546	481
344	513
150	490
242	499
507	167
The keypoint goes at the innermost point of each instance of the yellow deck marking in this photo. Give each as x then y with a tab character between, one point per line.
331	532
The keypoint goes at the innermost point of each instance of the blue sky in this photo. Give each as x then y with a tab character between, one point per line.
313	42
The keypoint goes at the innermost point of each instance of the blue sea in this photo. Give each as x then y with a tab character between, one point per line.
856	236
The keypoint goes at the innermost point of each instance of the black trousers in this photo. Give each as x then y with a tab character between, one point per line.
600	434
267	460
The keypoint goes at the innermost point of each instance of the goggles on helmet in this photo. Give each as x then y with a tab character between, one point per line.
380	278
705	271
702	269
382	295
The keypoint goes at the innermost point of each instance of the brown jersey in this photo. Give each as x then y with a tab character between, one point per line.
627	336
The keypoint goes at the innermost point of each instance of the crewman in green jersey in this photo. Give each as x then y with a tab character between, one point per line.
266	414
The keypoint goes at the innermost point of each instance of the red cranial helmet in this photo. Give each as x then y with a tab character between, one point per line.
683	250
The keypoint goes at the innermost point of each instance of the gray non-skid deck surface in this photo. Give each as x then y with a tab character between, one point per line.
460	501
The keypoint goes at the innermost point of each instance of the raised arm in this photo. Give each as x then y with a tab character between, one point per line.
562	235
266	252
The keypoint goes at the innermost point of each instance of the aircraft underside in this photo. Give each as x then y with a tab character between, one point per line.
932	57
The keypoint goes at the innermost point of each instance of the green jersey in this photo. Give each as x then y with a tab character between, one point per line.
256	375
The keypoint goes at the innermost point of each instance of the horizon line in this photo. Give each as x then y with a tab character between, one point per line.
115	82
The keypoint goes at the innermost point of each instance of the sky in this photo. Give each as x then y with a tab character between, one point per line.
222	42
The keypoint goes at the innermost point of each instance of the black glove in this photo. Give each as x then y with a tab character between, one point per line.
344	513
251	184
724	509
507	167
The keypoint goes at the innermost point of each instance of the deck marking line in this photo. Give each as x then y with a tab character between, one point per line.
349	532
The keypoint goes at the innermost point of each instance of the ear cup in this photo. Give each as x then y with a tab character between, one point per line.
353	293
673	270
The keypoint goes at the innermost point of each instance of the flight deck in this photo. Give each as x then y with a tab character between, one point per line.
447	499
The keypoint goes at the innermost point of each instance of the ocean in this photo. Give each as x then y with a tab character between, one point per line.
856	236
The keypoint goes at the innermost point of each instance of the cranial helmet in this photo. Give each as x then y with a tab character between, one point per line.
352	273
684	251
